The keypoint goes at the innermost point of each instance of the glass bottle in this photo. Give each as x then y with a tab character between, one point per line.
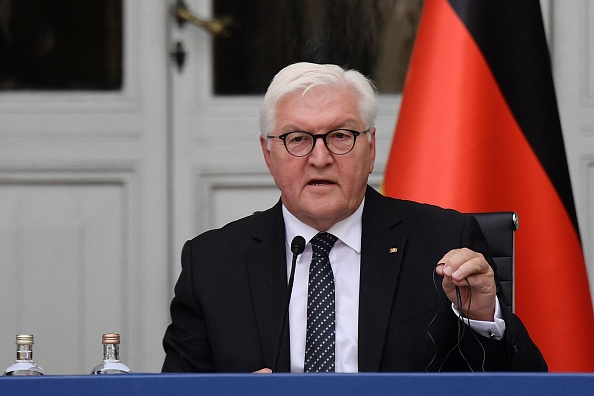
111	363
24	358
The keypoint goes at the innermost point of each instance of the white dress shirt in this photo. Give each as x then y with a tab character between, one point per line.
345	259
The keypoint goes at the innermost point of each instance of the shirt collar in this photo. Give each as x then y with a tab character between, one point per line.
347	230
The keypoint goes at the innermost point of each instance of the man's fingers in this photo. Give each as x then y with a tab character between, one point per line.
469	270
263	371
461	263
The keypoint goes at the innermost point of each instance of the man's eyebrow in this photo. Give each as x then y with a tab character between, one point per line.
290	128
346	124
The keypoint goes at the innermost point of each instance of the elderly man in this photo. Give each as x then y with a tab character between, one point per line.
382	285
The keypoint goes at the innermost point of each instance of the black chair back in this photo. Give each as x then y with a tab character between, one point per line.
499	229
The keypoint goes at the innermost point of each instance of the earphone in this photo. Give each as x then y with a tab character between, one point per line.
461	330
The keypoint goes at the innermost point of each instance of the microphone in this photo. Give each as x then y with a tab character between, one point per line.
297	247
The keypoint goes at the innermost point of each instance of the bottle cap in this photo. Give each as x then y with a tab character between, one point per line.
110	338
24	339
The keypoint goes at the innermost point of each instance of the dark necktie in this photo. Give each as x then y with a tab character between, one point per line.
320	337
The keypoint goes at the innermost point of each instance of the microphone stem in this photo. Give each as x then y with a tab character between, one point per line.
281	334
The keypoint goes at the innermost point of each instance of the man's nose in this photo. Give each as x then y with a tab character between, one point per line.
320	151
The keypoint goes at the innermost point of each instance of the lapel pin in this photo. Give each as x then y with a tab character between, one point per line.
393	250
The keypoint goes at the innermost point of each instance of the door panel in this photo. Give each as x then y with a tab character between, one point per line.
83	220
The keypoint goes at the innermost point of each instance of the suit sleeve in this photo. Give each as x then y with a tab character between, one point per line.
186	340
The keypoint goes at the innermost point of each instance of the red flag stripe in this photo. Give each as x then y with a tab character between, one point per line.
458	145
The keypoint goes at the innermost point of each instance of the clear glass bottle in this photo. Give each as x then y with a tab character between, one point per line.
111	363
24	358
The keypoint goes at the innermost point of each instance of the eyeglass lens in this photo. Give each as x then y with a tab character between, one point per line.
301	143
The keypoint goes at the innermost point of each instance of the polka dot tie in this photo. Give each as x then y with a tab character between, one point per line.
320	338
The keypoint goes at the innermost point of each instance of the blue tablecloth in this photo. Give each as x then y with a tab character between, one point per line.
500	384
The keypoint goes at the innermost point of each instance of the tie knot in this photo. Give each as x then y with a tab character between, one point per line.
322	243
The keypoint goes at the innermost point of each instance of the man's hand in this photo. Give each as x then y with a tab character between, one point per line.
461	265
263	371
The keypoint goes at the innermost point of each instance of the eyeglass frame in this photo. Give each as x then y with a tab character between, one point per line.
315	137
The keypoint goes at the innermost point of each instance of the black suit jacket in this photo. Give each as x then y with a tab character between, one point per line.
229	298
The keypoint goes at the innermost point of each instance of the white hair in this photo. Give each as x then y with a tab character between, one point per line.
301	77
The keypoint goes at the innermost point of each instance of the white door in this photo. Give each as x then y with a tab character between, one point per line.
83	209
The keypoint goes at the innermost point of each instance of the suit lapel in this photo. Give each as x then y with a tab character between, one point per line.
267	275
382	248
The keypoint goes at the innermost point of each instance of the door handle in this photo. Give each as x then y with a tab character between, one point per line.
218	27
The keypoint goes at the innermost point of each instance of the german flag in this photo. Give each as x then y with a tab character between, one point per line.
479	131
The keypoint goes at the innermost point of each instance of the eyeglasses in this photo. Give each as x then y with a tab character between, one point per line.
338	141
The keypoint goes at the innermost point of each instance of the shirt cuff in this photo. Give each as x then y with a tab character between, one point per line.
494	330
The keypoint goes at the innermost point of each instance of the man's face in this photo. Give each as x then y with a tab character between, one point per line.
321	188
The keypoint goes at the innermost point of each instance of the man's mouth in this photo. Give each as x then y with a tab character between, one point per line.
320	182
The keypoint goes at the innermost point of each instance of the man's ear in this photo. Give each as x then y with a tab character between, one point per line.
265	150
372	150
